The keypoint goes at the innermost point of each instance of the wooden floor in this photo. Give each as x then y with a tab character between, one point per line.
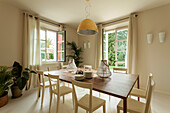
28	104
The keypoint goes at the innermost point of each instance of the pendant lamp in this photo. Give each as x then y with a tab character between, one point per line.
87	26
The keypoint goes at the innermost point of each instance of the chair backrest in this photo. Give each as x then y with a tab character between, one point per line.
87	67
150	77
120	70
40	77
83	85
56	77
149	95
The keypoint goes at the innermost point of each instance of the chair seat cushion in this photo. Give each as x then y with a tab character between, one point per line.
138	93
96	102
63	90
133	106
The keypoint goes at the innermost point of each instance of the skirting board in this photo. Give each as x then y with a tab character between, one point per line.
158	91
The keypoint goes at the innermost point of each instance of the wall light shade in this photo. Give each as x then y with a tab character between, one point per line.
161	37
84	45
149	38
88	44
87	27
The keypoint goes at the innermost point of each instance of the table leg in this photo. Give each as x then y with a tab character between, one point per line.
138	87
125	105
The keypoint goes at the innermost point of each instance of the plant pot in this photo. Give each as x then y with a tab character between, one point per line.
4	99
16	92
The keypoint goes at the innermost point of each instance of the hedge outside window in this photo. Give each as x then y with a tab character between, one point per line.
52	45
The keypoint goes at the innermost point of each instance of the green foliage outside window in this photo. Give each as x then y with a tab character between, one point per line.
121	46
51	56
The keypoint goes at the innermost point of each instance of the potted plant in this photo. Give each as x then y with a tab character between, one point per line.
5	83
20	79
76	52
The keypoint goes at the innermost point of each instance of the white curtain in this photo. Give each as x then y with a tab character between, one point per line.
31	45
99	46
132	44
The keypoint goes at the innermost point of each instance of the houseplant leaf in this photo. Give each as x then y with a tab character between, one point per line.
26	75
21	81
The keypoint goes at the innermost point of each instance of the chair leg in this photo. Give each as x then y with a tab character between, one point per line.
104	108
51	96
38	94
42	96
63	99
86	111
76	109
58	102
73	99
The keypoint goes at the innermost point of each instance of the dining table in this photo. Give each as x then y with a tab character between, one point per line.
118	84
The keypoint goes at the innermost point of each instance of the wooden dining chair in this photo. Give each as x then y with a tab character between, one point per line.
89	67
134	106
120	70
142	93
58	90
42	84
88	102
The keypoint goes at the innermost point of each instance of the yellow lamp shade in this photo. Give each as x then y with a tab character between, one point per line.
87	27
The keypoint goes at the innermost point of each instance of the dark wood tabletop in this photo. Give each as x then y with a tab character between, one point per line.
118	85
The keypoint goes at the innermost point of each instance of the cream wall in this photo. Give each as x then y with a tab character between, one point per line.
71	35
155	57
10	35
88	53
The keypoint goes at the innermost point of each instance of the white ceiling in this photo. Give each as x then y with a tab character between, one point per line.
72	12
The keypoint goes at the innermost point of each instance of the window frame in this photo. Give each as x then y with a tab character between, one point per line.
116	51
64	33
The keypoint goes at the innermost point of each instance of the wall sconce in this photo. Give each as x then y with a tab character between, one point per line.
84	45
149	38
161	37
88	44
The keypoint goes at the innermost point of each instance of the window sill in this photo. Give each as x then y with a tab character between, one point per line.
51	62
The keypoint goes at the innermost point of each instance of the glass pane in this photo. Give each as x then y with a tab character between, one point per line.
51	46
42	56
122	34
111	48
104	37
42	45
61	36
120	65
121	56
60	46
121	45
42	34
60	56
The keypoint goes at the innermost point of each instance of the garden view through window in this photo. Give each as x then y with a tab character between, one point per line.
115	47
52	45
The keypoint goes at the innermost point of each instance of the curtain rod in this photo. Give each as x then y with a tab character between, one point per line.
116	21
42	19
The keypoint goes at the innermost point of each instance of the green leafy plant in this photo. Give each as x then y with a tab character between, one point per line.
76	52
20	76
5	79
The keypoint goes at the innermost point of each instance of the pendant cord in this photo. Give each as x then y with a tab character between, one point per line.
87	9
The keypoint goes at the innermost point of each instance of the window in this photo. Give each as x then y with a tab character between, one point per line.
115	47
52	45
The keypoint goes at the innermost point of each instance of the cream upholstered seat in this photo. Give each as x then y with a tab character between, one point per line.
134	106
88	102
59	91
139	92
42	84
89	67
